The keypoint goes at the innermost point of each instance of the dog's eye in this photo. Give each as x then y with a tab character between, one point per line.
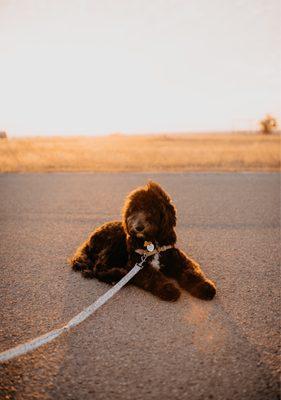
153	219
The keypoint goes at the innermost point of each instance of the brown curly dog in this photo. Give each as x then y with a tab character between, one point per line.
149	220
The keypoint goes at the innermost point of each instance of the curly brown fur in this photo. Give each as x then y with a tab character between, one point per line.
148	215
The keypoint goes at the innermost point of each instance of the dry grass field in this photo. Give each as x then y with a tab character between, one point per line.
201	152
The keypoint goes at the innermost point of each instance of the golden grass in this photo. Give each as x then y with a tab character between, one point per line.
202	152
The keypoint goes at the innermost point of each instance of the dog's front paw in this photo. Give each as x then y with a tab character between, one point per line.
169	292
205	290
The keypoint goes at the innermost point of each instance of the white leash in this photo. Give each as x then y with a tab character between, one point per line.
48	337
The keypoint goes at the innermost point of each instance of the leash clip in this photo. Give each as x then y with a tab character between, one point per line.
143	258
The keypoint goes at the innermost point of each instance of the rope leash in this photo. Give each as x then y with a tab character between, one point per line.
48	337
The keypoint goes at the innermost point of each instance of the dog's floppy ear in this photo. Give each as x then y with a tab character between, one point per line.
169	217
169	211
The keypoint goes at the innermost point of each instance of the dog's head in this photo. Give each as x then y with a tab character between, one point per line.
149	215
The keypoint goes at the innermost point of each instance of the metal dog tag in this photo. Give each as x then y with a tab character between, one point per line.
150	247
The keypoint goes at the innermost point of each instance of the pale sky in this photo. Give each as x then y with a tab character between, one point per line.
136	66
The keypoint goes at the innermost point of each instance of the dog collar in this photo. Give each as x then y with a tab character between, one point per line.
151	249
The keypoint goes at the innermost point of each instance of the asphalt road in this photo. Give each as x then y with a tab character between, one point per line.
137	346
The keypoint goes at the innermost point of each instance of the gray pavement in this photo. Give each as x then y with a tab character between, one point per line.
137	346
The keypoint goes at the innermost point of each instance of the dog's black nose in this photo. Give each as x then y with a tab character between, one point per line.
139	228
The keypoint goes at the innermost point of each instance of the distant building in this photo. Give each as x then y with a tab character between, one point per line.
3	135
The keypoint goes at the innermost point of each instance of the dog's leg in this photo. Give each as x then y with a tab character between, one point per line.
107	274
156	283
82	262
188	273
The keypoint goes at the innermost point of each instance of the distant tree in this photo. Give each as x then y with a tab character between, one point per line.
268	124
3	135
